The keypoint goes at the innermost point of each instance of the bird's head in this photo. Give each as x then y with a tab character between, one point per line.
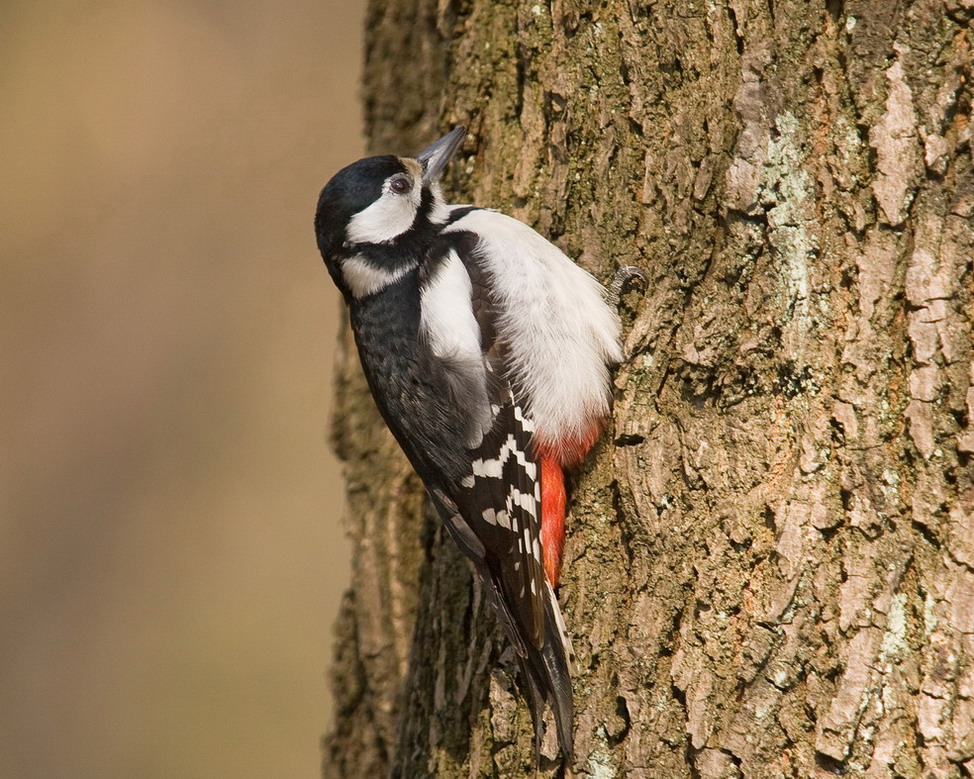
377	215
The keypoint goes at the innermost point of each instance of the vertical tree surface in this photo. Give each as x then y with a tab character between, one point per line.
770	562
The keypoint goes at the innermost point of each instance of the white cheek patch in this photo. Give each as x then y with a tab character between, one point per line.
364	279
388	217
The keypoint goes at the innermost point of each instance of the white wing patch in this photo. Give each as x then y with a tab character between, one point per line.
560	333
447	320
447	313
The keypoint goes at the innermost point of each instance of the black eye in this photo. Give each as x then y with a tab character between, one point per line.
401	185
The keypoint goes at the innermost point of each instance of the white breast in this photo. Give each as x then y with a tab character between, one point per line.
560	332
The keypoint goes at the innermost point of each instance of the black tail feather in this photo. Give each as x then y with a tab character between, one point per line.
547	672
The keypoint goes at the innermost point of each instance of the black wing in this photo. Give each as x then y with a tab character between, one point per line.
501	499
493	512
494	519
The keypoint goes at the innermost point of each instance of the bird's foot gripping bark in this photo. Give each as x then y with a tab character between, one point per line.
626	275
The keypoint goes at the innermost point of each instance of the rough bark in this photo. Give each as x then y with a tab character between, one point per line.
770	566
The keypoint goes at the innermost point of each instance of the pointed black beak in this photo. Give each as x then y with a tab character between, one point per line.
435	157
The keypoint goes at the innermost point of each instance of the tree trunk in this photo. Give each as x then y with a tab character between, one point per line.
770	562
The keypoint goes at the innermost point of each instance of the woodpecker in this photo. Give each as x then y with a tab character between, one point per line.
488	354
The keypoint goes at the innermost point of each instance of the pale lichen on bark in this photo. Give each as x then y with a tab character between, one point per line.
770	567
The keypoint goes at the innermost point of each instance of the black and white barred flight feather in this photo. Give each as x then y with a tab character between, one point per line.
487	352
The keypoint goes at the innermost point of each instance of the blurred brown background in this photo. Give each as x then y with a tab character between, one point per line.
171	554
